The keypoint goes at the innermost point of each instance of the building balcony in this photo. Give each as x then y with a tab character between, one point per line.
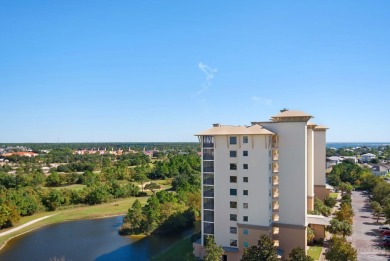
275	155
275	206
275	217
275	167
275	231
275	193
208	145
275	141
208	156
208	169
275	181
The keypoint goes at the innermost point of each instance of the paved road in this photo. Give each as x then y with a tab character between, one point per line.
366	238
24	225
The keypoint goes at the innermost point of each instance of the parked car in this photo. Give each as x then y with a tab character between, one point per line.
386	238
384	228
386	244
385	233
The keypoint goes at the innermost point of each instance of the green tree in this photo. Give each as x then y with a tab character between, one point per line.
134	219
8	215
298	254
376	210
340	227
141	178
340	250
345	213
53	180
152	187
345	188
310	235
264	251
213	251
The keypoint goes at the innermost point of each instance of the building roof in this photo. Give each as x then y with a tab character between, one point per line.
321	128
237	130
318	220
369	155
291	113
291	116
335	158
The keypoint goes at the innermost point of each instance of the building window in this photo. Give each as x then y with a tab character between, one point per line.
233	242
208	215
233	192
245	231
245	192
233	140
208	203
245	218
233	217
233	179
208	228
269	166
269	180
233	166
245	139
270	153
233	230
245	179
245	166
245	205
270	193
233	153
233	204
245	244
245	153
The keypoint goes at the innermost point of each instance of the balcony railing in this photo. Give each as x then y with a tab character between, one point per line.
275	193
208	169
208	156
275	206
208	145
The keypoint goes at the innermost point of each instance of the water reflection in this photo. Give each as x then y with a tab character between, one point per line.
86	240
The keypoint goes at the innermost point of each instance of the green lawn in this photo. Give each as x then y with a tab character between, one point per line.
314	252
118	207
72	187
181	251
333	194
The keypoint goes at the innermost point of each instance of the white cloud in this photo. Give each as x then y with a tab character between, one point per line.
261	100
209	73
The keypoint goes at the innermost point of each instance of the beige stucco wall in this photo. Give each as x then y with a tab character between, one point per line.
319	231
290	238
310	203
319	157
292	170
321	192
258	187
310	162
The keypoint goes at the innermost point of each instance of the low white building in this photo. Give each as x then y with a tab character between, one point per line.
367	157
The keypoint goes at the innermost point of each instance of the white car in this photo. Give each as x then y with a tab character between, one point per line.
384	228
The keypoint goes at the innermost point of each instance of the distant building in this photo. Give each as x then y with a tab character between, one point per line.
379	169
365	158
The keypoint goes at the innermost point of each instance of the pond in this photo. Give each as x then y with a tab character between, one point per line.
84	240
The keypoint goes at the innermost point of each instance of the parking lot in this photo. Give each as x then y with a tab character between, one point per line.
366	237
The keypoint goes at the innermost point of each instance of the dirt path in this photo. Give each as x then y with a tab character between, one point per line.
24	225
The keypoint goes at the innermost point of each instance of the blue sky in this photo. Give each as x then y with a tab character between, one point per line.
85	71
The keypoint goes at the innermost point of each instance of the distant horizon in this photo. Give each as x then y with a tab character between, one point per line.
352	142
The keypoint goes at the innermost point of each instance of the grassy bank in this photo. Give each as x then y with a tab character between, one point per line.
181	251
314	252
114	208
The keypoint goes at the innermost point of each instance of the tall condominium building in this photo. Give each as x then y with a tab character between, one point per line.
261	179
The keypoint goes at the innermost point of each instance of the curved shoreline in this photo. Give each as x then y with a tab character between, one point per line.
43	225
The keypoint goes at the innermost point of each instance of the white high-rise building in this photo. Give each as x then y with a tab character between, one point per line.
261	179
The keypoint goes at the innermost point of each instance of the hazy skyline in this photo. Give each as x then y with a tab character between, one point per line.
145	71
